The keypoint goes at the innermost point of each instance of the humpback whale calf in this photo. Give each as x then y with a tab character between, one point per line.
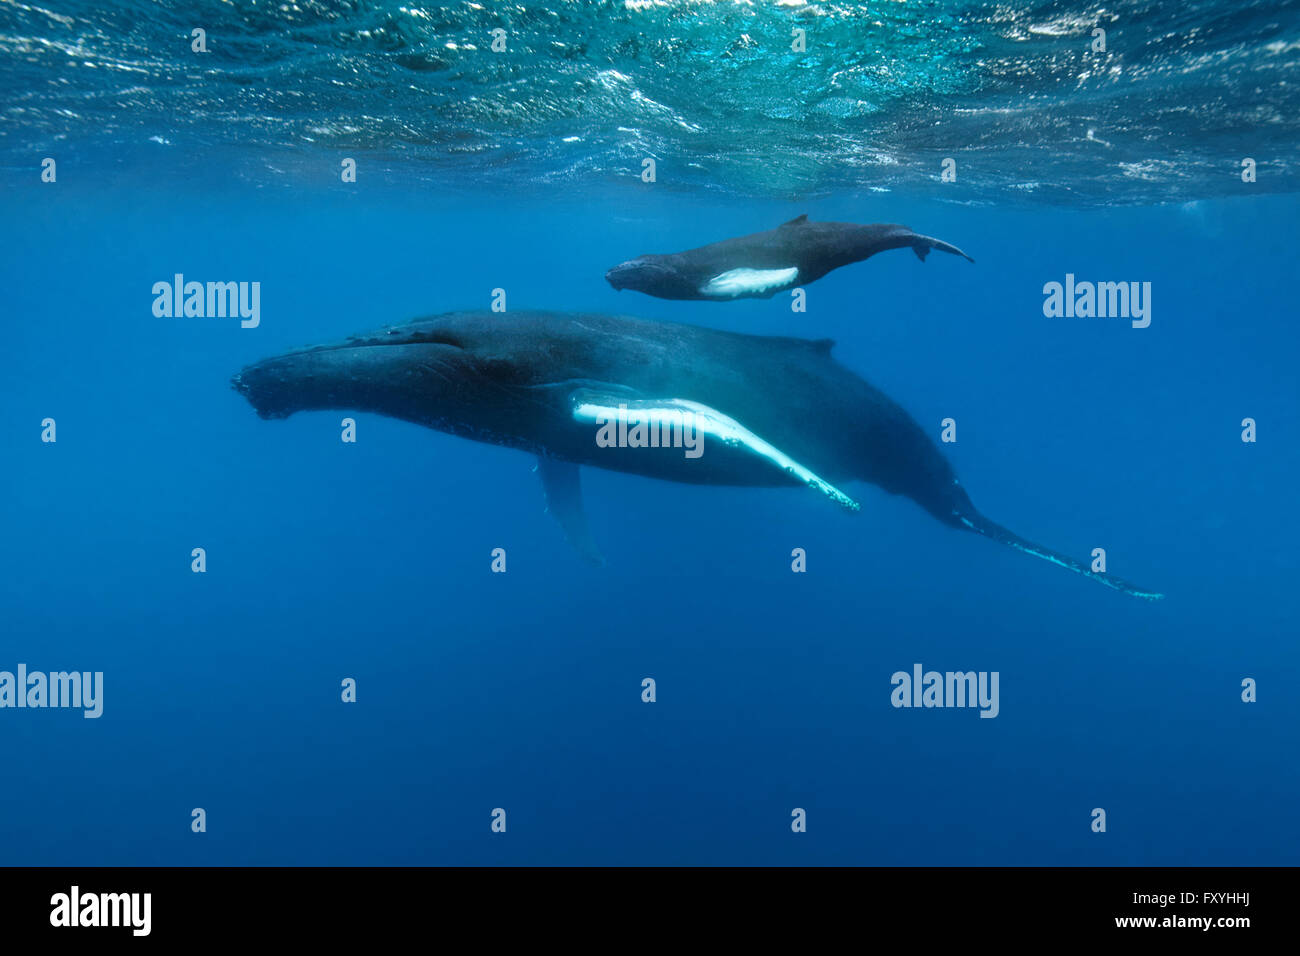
771	410
765	263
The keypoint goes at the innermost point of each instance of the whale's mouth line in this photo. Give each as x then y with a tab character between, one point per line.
243	387
368	343
431	338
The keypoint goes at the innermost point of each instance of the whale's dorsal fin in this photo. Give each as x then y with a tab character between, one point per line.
796	221
593	407
562	485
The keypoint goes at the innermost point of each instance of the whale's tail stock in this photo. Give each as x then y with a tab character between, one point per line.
978	523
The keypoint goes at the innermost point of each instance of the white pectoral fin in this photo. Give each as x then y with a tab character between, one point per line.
737	282
595	408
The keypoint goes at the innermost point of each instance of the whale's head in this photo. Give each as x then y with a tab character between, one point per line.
499	377
450	372
653	275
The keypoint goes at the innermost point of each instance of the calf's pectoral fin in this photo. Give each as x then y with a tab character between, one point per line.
562	485
597	408
735	283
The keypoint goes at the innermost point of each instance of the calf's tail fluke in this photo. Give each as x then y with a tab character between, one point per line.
990	529
923	245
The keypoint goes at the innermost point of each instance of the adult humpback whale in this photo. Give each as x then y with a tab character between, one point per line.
765	263
773	411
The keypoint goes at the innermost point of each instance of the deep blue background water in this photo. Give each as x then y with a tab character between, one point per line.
522	690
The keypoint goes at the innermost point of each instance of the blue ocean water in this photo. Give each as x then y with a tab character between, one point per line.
522	690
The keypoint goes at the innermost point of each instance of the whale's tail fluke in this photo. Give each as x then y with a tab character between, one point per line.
990	529
923	244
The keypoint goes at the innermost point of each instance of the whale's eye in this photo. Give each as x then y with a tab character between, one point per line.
423	337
